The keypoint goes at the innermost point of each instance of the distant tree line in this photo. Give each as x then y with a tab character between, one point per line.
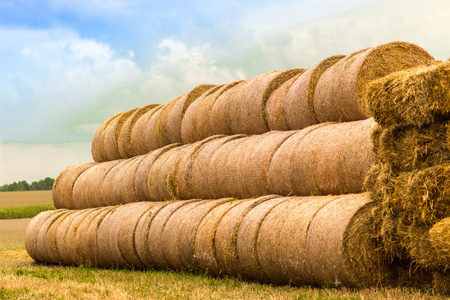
43	184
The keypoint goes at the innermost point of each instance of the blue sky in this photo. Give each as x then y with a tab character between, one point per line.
67	65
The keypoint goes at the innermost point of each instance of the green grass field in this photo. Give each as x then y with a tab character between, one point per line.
22	278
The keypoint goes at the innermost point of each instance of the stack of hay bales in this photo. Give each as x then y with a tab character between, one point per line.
275	143
330	91
411	177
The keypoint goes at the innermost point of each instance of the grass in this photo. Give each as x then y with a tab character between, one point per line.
28	211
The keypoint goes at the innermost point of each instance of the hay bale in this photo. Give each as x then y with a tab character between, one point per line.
415	97
256	157
340	90
107	237
141	235
150	140
219	120
299	101
204	255
189	123
245	104
226	234
422	194
32	232
331	257
218	178
180	175
87	187
111	135
293	251
62	191
247	240
441	281
138	139
439	238
46	240
274	111
86	236
410	148
106	187
279	173
125	189
124	144
161	186
195	177
268	244
65	236
171	234
155	233
176	114
141	178
126	235
97	146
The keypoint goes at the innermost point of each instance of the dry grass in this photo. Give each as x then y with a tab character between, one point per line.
15	199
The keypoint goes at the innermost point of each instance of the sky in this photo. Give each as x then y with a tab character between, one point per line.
67	65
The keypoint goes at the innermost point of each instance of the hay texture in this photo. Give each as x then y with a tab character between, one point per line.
62	191
341	88
112	133
176	114
299	100
137	138
97	146
415	97
124	143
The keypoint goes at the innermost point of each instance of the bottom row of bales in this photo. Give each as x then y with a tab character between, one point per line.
282	240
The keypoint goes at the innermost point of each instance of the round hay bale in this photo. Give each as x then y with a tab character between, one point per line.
328	254
200	174
137	138
156	230
142	234
161	185
150	141
112	132
184	166
125	188
267	242
89	238
106	193
86	237
222	183
293	250
87	187
46	240
427	88
65	235
62	191
358	156
256	159
189	130
32	232
246	104
247	240
124	142
219	120
176	114
274	111
108	237
188	232
226	235
279	175
97	146
205	257
142	173
171	234
341	88
126	235
299	100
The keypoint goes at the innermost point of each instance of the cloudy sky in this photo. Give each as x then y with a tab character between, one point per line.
67	65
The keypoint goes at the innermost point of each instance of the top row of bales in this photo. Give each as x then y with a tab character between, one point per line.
332	90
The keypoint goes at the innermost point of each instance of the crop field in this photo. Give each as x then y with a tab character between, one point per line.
22	278
16	199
